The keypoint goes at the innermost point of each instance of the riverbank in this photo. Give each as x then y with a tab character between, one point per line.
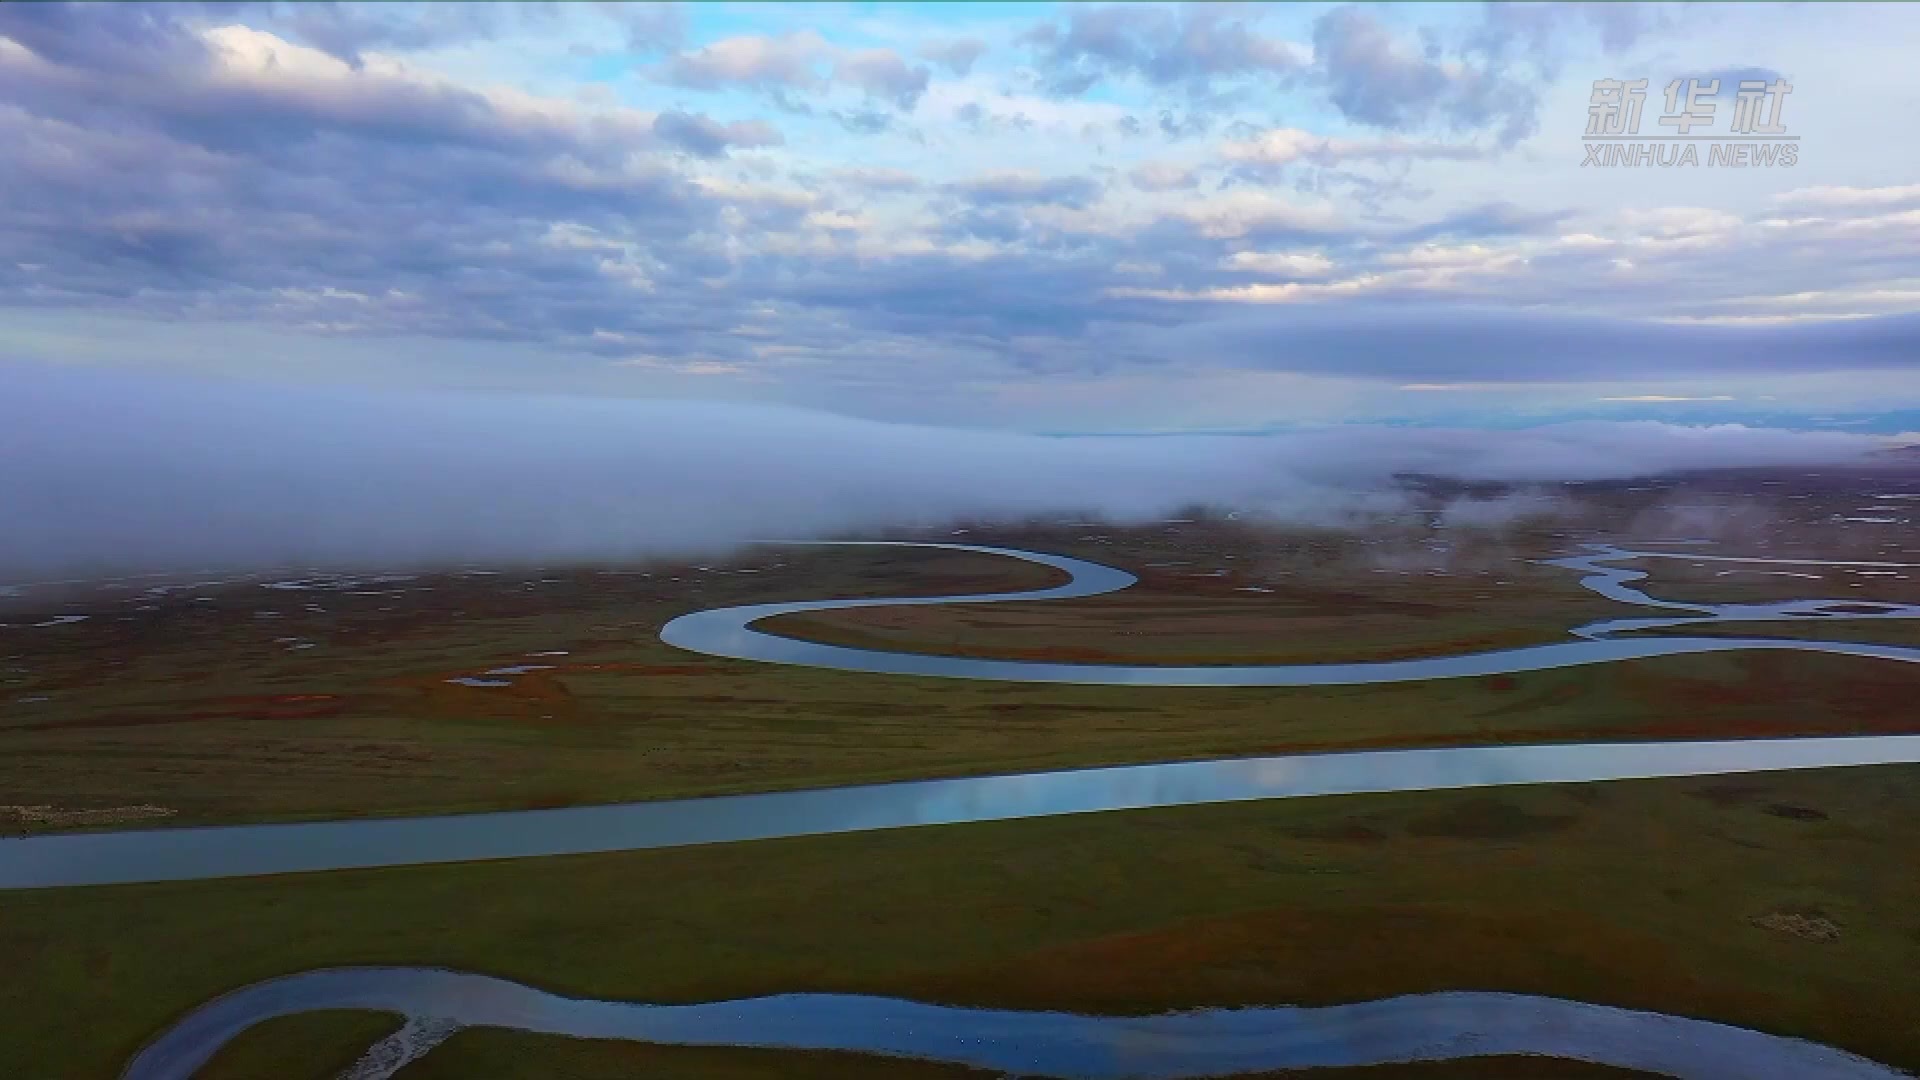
479	693
1680	896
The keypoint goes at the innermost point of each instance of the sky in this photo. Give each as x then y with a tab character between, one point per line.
1028	218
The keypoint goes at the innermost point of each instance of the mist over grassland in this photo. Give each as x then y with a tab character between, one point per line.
110	472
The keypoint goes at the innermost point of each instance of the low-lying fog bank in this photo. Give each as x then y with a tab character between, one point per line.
106	472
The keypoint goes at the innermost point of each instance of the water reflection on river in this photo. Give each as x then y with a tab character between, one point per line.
1208	1042
729	632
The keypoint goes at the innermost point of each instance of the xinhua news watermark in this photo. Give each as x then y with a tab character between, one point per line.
1756	136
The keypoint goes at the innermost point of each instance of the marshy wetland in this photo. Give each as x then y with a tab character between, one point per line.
399	694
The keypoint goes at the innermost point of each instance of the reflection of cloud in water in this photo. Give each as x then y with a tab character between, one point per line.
1198	1043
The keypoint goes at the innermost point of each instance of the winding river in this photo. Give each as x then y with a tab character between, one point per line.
1208	1042
1201	1043
729	632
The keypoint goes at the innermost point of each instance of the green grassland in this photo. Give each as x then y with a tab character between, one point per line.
204	710
305	1046
1782	902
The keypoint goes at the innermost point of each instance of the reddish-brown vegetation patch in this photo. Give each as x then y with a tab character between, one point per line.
1777	695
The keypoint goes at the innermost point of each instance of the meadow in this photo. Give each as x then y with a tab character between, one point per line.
1781	902
316	696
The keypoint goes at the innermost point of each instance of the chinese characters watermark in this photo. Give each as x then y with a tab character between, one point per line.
1756	135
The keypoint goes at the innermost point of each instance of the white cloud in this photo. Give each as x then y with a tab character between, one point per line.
1284	146
1451	256
469	184
1838	196
224	474
1679	221
801	61
1238	213
1162	176
1286	293
1297	264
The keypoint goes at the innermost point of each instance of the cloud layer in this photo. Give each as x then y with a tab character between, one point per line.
888	213
130	473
